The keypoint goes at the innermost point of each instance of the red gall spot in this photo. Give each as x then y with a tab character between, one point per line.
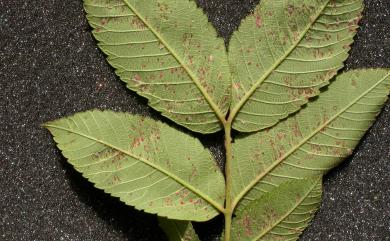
137	141
236	86
259	21
190	59
296	130
104	21
309	92
182	202
137	78
246	223
280	136
116	179
168	201
137	23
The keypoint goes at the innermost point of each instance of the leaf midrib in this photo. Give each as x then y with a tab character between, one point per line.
162	170
237	108
295	148
208	98
298	203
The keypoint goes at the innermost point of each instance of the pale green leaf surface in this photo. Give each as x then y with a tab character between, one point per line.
168	52
313	141
280	215
178	230
145	163
283	53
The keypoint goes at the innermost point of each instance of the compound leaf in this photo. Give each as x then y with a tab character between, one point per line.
145	163
313	141
168	52
178	230
284	53
282	214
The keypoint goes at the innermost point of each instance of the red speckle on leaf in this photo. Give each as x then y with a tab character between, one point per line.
259	21
246	223
168	201
137	141
137	78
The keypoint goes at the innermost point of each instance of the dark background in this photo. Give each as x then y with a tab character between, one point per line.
50	67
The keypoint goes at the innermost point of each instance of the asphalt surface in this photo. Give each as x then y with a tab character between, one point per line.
50	67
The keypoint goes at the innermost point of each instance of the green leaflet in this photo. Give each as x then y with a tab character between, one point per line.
145	163
178	230
283	53
166	51
312	142
282	214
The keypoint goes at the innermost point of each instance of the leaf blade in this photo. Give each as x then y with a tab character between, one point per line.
315	140
178	230
281	72
179	66
143	162
281	214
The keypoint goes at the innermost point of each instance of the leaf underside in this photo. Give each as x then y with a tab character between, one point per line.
168	52
312	142
284	53
145	163
280	215
281	56
178	230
